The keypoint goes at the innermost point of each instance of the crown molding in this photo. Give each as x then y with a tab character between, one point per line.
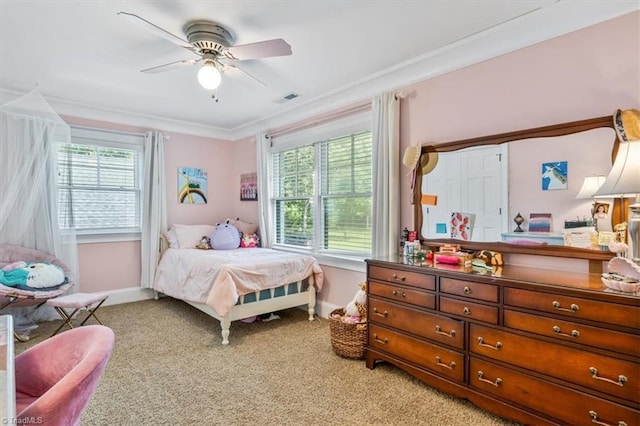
89	112
556	19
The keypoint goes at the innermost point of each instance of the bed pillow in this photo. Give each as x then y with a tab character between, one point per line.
225	237
189	236
172	238
244	227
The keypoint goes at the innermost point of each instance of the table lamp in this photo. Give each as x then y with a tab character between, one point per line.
589	187
623	181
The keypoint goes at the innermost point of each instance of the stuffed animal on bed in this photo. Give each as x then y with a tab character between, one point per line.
204	244
225	237
32	275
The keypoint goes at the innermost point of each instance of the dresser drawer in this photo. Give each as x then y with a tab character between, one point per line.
468	309
398	276
435	358
470	289
403	294
574	332
574	307
599	372
431	326
569	406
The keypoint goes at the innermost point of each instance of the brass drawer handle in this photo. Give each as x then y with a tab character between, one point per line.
466	290
556	305
620	382
452	333
497	346
466	310
574	333
395	277
450	366
594	419
383	341
400	293
383	314
482	379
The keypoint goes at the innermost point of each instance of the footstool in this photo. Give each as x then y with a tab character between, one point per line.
77	301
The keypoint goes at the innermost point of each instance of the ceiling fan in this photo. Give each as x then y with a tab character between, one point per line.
214	44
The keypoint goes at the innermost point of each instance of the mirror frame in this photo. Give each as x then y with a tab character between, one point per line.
594	257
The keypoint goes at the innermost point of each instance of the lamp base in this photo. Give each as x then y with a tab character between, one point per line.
634	231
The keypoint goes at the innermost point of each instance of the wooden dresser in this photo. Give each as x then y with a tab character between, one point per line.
535	346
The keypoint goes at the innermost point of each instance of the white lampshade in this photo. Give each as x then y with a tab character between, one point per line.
589	187
624	178
209	76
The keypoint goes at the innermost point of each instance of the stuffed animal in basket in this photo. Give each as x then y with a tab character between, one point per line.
352	314
356	311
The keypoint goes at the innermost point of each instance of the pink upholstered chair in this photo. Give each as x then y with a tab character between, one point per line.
56	378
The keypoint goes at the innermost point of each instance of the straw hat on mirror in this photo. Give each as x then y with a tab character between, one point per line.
412	157
627	124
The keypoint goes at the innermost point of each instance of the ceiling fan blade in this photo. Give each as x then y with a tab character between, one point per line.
149	26
170	66
227	67
260	49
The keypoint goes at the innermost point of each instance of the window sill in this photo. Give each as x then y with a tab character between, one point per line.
107	238
355	264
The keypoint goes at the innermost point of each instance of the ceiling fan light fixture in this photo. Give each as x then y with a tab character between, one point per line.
208	76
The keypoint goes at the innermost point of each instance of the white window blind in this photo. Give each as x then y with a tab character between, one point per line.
322	195
100	182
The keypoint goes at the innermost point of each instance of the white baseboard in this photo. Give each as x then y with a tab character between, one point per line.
324	309
137	294
128	295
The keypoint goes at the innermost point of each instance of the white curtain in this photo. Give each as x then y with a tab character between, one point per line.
30	134
386	178
263	148
154	207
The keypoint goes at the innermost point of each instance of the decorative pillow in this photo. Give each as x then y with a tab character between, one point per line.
225	237
244	227
189	236
249	240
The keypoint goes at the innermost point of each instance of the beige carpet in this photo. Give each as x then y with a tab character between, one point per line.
169	368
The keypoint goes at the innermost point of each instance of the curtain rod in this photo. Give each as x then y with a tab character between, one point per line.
116	132
308	124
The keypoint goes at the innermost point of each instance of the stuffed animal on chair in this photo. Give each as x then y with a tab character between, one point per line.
32	275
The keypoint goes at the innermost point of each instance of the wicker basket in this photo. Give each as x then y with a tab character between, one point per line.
347	340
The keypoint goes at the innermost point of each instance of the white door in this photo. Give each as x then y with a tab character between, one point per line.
467	181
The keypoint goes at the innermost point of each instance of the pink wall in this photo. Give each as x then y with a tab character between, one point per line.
214	155
584	74
244	160
116	265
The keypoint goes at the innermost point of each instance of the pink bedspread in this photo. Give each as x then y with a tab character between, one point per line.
219	277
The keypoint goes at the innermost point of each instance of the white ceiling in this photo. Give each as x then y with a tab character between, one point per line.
86	59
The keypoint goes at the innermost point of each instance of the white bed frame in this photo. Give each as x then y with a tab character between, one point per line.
255	307
265	306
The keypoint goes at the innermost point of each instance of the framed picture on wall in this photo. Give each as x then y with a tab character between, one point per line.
192	185
249	187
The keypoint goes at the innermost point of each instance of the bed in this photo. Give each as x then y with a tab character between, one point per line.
234	284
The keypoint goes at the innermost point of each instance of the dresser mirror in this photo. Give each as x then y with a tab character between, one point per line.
585	148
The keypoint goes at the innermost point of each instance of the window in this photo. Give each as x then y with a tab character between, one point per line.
322	195
100	182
